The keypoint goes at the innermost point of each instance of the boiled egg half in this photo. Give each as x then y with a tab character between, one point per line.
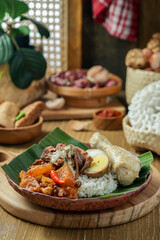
99	164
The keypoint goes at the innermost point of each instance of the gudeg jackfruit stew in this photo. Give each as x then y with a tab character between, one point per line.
68	171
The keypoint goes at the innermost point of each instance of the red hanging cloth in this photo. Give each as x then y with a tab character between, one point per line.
119	17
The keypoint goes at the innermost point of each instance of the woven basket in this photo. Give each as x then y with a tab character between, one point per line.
136	79
141	139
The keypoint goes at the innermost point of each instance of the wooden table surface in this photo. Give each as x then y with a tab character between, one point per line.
146	228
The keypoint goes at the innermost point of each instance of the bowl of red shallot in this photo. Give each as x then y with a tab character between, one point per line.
85	88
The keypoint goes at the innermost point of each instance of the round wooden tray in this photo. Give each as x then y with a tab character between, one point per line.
20	207
20	135
87	97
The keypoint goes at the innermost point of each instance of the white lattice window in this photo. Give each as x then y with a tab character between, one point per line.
53	13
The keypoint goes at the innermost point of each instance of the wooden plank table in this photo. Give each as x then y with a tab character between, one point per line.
146	228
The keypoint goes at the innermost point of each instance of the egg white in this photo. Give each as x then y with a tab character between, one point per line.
94	152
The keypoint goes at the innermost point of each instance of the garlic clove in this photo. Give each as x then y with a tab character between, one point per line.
55	104
78	125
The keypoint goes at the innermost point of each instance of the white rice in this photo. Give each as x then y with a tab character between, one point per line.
97	186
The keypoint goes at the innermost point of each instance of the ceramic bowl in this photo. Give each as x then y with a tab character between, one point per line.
107	123
20	135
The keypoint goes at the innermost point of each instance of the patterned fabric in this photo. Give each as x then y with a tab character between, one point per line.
119	17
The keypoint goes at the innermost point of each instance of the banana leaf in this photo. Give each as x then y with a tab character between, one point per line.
24	160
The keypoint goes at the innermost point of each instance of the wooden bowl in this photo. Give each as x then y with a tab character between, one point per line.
107	123
88	97
82	204
20	135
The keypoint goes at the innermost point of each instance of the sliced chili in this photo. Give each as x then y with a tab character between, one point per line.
55	178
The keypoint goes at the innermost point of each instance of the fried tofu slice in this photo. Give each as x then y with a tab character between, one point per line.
32	113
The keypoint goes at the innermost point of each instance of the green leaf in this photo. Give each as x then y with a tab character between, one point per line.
6	47
41	28
27	158
59	136
1	32
27	65
2	9
24	30
16	8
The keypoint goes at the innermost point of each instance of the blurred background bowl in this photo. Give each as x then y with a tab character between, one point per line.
20	135
87	97
107	123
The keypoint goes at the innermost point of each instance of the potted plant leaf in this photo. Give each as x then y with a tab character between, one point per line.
20	65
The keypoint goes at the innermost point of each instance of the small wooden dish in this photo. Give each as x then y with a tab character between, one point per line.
20	135
88	97
107	123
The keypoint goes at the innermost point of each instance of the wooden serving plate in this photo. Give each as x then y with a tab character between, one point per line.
20	207
88	97
20	135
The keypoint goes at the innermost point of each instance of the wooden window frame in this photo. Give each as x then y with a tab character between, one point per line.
74	34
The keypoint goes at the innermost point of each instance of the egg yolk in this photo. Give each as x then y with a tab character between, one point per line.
98	163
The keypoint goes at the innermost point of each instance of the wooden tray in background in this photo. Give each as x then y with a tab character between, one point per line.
78	113
20	207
